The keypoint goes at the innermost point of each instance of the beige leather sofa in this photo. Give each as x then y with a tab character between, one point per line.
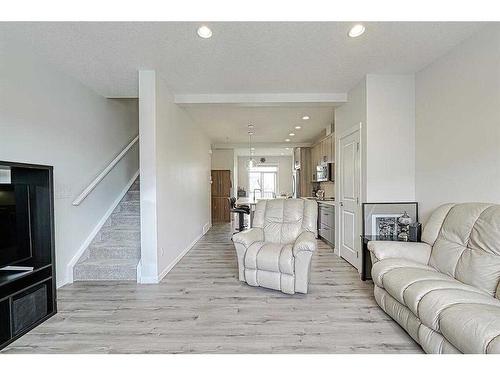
445	290
276	252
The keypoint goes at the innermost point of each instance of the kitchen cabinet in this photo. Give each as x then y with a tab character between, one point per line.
305	181
326	222
323	151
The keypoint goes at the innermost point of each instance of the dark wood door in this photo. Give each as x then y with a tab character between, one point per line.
221	192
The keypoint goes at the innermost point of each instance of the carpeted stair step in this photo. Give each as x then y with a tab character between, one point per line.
106	269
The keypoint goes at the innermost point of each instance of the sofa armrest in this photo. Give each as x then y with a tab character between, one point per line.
306	241
416	251
249	236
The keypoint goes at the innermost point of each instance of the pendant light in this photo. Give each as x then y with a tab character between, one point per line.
251	160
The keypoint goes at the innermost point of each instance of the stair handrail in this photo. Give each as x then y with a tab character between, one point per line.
103	174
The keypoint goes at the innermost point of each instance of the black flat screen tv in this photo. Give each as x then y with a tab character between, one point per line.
15	225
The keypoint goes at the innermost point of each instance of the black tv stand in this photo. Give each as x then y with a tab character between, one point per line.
16	269
28	297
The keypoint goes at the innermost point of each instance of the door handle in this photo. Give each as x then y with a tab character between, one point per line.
341	204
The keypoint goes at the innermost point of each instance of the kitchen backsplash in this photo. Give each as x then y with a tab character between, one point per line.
329	188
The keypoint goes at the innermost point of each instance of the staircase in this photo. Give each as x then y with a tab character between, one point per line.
115	251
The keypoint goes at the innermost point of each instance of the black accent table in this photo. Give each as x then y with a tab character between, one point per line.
366	264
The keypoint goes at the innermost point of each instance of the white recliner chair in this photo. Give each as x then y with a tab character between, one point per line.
445	290
276	252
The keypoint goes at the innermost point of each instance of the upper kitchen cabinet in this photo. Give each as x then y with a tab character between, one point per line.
324	150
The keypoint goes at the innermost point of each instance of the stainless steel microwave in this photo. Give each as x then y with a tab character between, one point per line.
323	172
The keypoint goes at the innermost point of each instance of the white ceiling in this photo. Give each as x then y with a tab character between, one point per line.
229	123
248	57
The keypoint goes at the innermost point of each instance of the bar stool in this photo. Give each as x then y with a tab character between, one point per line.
241	211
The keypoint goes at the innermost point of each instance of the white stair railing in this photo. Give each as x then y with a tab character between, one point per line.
103	174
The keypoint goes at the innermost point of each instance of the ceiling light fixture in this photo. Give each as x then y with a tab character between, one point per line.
305	117
356	30
287	148
204	32
291	134
287	140
251	161
250	126
298	127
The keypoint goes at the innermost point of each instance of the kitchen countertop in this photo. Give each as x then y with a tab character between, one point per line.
326	202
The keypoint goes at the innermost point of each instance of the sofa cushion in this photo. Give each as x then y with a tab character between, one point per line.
384	266
479	265
416	291
472	328
433	304
268	256
434	342
282	220
433	226
397	282
468	245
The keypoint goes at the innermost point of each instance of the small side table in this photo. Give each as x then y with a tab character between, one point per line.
366	261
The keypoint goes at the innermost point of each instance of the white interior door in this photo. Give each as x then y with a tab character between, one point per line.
349	239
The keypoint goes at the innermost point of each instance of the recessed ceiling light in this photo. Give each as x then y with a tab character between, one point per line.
287	140
204	32
287	148
253	148
250	126
298	127
356	30
250	133
282	153
305	117
291	134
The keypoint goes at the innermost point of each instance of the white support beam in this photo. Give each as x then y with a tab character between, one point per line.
262	99
227	146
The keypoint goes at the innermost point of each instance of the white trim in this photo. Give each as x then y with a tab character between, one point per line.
356	128
148	279
207	227
103	174
179	257
351	130
228	146
278	98
97	228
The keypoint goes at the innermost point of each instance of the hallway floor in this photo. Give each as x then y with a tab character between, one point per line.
201	307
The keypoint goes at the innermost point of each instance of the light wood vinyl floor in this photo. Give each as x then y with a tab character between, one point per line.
201	307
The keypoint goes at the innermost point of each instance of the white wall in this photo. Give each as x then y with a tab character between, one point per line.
349	115
383	107
49	118
390	138
148	166
182	178
458	125
284	172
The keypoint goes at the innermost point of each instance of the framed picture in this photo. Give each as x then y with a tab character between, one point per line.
381	219
385	225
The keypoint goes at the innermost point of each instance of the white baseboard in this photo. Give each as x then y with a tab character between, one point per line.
181	255
97	228
149	280
207	227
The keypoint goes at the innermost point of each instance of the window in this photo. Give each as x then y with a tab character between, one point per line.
263	181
